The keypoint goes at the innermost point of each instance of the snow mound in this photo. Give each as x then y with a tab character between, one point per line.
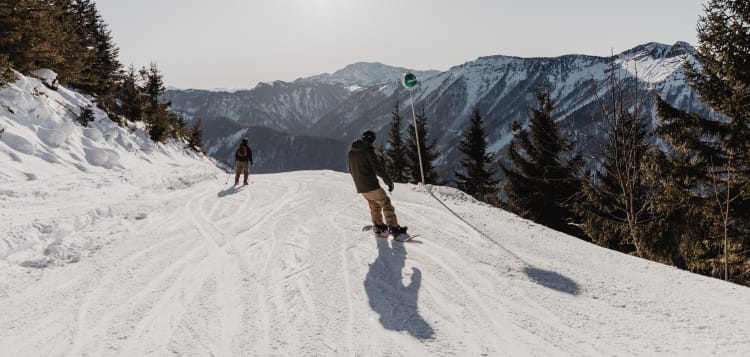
93	134
97	157
18	143
48	76
52	137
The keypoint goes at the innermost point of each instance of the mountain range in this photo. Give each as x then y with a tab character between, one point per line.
308	123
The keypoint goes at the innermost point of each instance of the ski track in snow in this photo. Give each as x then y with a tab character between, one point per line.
281	267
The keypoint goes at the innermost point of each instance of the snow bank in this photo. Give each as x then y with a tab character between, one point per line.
57	178
18	143
48	76
40	130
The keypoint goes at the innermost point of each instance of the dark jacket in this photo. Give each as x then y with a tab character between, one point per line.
365	166
247	157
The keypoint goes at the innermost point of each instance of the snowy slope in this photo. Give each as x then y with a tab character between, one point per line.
48	162
153	254
281	268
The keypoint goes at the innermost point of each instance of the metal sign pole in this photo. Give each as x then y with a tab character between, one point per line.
416	134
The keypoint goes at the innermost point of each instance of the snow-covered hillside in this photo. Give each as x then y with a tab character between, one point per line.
58	177
153	254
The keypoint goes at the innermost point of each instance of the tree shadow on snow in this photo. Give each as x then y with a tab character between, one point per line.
395	303
553	280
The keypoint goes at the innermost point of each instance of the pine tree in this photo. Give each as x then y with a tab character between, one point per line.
195	138
86	116
106	65
97	50
30	34
6	75
709	164
618	194
180	128
130	96
542	183
395	155
76	22
67	36
154	88
428	151
161	123
7	37
380	153
476	178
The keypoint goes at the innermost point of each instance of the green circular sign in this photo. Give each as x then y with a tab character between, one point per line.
409	80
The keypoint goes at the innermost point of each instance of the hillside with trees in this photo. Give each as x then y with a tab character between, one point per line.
70	38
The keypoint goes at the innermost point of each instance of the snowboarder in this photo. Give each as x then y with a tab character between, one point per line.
244	158
365	166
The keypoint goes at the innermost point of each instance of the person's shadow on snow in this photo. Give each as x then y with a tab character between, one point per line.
228	191
395	303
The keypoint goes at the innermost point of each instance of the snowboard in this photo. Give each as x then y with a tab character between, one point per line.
369	228
403	237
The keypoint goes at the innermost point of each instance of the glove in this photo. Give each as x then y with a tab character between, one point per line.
390	187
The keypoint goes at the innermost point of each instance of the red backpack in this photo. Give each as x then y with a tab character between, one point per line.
242	151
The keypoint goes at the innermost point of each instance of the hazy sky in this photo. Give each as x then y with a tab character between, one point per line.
237	43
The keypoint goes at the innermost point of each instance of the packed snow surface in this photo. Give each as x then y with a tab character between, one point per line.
281	267
111	246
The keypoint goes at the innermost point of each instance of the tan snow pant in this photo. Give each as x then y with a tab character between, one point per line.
242	167
380	205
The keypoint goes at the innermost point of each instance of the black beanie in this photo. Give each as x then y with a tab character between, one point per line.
368	136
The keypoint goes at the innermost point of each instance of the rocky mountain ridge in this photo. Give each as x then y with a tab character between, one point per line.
342	105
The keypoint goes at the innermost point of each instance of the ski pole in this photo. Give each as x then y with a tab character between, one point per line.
230	171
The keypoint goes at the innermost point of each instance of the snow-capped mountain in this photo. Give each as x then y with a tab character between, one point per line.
281	117
365	74
292	107
500	87
283	106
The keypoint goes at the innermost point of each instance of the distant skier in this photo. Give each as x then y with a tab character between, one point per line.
244	158
365	166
